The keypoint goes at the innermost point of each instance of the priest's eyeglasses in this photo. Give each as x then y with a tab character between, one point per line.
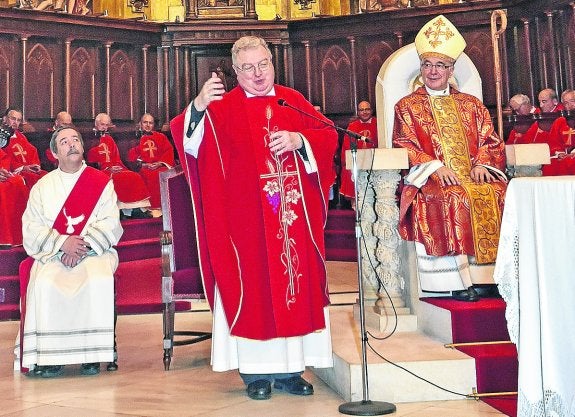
440	66
263	65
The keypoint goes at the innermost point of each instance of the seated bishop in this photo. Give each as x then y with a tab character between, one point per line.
452	198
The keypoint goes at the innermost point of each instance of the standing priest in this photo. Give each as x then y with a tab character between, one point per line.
260	176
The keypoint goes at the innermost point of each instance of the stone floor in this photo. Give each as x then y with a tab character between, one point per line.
141	387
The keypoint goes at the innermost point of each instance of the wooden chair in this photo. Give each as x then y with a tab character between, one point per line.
181	278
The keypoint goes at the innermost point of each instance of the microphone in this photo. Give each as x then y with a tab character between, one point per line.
348	132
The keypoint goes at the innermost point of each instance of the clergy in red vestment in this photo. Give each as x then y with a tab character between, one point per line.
24	159
365	125
156	154
561	135
62	119
13	198
260	176
133	195
452	198
549	102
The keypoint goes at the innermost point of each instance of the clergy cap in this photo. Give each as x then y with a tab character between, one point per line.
439	38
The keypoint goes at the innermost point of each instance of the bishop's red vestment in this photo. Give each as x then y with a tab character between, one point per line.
153	147
128	185
23	153
260	217
367	129
457	130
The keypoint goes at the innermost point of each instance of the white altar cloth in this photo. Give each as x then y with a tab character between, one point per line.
535	271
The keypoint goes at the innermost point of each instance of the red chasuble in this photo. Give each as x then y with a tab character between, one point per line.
129	185
260	218
367	129
458	131
153	147
13	199
23	153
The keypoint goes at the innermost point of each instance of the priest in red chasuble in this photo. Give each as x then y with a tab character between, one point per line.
13	198
156	154
365	125
260	175
24	159
452	200
133	195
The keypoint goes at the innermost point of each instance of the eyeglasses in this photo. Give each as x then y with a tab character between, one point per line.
440	66
263	65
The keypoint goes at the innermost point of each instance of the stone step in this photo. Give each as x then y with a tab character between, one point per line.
413	351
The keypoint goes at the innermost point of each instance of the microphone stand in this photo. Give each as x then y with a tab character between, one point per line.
365	407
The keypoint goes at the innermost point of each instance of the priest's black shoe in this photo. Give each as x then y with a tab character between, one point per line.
295	385
469	295
260	390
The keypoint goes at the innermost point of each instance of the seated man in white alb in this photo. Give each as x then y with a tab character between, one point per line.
70	226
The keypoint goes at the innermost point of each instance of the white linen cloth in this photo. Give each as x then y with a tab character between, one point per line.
534	271
69	311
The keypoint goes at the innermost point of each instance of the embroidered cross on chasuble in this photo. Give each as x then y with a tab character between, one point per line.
484	212
282	201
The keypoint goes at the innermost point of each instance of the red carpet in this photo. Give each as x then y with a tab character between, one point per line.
496	364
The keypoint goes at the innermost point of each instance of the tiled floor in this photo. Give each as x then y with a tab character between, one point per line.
142	388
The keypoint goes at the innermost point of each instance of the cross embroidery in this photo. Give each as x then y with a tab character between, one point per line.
569	134
151	147
434	34
20	152
105	151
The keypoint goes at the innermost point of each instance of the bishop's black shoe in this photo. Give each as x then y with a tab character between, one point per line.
468	295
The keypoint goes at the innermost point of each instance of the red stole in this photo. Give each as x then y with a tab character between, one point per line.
71	220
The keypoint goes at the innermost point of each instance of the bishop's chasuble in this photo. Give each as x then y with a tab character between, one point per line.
260	217
457	131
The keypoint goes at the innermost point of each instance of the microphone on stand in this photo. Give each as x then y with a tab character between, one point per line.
348	132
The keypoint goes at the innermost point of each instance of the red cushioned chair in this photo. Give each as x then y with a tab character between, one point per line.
181	279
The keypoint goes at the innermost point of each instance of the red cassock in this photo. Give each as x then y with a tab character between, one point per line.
23	153
128	185
260	217
556	139
367	129
457	219
13	199
153	147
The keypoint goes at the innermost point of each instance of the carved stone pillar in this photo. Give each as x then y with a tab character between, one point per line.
381	264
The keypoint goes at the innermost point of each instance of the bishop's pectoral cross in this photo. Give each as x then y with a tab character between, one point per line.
21	152
150	147
105	151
